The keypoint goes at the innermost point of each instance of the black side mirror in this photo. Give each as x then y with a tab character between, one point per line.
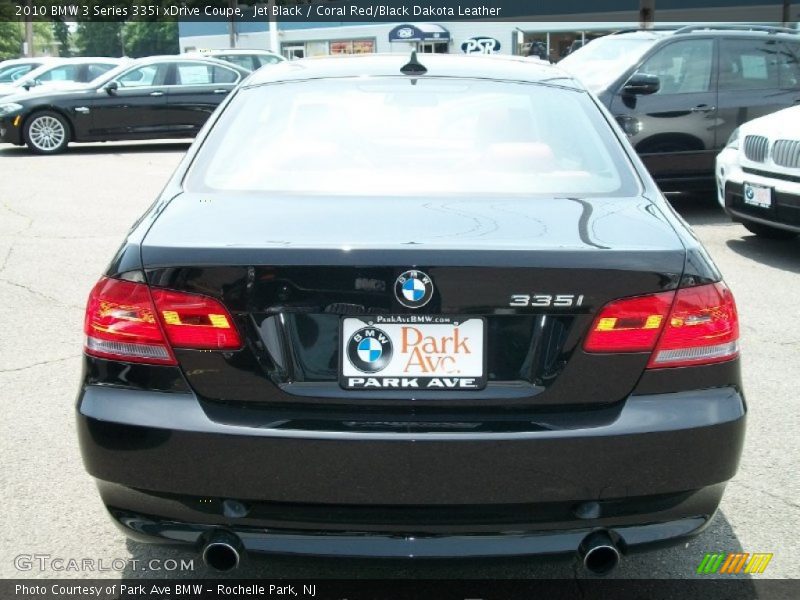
641	84
111	88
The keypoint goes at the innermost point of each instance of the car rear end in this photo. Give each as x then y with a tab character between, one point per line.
422	375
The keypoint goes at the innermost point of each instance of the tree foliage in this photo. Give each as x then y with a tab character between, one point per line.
98	38
146	38
61	34
42	37
10	33
140	38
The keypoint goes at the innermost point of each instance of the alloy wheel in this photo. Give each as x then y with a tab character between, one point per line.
46	133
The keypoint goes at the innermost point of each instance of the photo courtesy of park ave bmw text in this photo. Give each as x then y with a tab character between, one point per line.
353	300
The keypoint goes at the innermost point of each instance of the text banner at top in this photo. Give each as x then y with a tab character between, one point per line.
365	11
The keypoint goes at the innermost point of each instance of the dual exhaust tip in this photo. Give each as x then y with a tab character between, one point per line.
599	553
223	552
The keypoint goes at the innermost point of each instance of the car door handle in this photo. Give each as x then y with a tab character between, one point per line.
156	94
703	108
220	91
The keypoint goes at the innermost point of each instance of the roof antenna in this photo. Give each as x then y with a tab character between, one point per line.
414	67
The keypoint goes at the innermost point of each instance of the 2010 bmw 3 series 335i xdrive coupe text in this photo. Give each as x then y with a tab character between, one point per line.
394	309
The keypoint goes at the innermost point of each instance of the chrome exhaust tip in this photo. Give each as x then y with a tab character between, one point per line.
223	551
599	553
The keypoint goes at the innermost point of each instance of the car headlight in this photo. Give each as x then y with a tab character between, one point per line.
9	108
733	141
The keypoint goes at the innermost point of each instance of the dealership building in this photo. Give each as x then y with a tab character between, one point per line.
300	40
557	33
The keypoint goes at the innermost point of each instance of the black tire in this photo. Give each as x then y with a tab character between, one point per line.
47	132
770	233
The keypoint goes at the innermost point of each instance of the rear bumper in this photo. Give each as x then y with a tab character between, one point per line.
653	474
377	544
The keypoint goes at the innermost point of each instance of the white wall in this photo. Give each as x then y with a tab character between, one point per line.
214	42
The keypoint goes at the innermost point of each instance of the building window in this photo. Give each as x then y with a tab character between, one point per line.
296	50
317	49
352	47
433	47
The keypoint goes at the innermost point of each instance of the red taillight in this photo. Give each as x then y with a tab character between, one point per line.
121	324
691	326
630	324
703	328
193	321
125	322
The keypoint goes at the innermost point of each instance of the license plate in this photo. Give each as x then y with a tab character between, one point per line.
405	352
757	195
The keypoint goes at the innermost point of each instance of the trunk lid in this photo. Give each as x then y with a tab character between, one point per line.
291	268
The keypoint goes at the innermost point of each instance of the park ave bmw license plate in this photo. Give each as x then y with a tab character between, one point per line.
413	352
757	195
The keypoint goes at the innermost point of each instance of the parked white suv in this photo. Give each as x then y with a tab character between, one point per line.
758	175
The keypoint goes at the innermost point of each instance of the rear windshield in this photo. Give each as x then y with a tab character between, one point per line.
392	136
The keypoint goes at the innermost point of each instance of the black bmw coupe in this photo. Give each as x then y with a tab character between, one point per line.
411	308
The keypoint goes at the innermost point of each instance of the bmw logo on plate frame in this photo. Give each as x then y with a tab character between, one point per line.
413	289
369	350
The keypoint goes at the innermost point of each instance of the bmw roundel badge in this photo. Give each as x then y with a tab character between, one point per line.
413	289
369	350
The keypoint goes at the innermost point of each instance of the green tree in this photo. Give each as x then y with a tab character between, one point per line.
42	37
146	38
62	36
10	33
96	38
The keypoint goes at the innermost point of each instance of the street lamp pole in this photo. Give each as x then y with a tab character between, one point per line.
232	25
29	31
273	29
647	13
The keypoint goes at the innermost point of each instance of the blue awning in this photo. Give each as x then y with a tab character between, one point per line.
419	32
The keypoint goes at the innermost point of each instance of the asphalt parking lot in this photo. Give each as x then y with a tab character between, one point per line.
61	219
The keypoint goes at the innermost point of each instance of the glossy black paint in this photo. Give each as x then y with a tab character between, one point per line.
134	376
357	544
128	436
678	135
301	306
443	532
167	110
322	470
332	487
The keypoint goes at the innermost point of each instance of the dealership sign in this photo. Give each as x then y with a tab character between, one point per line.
480	45
419	32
